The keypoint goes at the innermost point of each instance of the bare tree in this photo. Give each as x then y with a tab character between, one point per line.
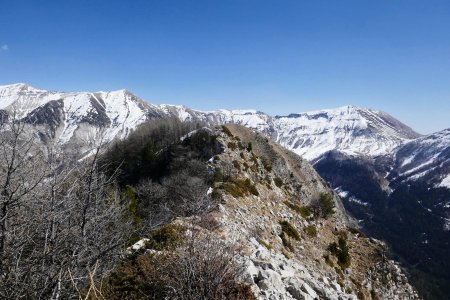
21	171
56	222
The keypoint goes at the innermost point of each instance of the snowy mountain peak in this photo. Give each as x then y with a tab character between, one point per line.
16	86
76	117
349	129
84	115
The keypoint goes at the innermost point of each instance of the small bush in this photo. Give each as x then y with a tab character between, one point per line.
254	159
216	195
302	210
254	168
166	237
292	206
343	255
341	234
278	182
217	177
360	295
133	213
242	155
233	190
249	147
323	206
266	164
340	250
356	231
236	165
286	254
311	230
305	211
286	242
253	190
227	131
290	230
240	188
232	145
340	275
333	248
267	245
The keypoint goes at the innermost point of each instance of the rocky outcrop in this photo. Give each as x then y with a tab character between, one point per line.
283	265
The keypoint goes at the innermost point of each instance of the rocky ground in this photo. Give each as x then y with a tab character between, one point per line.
305	269
265	195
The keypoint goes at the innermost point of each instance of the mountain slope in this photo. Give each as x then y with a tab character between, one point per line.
402	198
258	219
80	118
426	158
349	129
265	203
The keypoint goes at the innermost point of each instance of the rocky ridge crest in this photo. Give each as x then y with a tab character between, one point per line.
278	266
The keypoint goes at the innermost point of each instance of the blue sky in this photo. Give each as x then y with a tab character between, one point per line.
277	56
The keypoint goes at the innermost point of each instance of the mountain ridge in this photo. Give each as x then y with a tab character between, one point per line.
83	118
300	132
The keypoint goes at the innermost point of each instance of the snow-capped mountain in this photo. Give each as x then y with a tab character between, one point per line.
76	117
348	129
426	158
250	118
86	115
70	117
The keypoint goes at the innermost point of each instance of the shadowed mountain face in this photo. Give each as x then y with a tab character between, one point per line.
403	198
394	180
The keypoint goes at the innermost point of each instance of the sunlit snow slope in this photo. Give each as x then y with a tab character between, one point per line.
349	129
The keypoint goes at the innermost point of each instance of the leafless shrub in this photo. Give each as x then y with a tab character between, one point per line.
56	223
203	267
209	222
206	268
179	195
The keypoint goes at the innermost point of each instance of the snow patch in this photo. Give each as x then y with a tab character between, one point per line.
445	182
357	201
341	193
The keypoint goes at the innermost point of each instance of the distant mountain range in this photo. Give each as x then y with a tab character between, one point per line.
81	117
394	180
